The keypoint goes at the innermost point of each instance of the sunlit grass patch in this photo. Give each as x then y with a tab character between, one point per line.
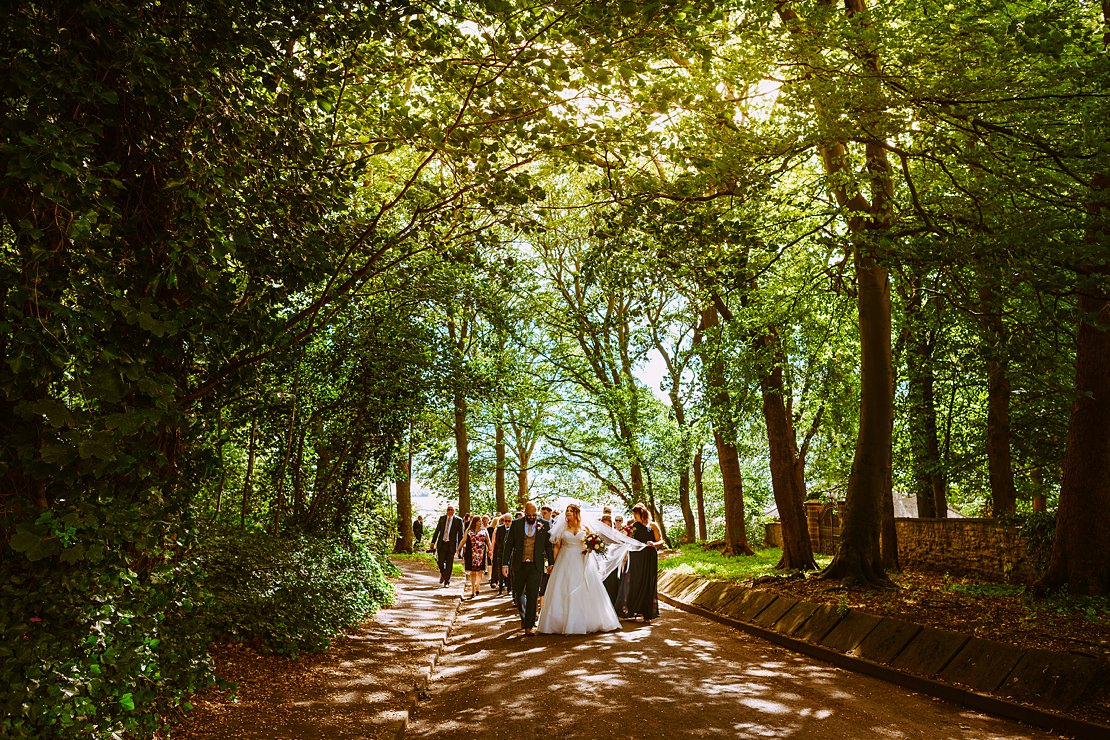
712	565
428	559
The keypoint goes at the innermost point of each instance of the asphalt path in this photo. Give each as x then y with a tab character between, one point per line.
680	676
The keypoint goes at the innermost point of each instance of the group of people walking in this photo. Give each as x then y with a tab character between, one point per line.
516	554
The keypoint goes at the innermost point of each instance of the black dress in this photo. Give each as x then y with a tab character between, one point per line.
499	579
638	586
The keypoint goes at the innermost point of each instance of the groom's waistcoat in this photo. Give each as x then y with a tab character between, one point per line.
528	554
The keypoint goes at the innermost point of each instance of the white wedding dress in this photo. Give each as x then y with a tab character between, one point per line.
576	602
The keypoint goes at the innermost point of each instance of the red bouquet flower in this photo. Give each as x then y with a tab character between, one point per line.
593	543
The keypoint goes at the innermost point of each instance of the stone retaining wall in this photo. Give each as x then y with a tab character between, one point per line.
981	548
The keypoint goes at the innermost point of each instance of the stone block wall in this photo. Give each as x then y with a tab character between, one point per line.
981	548
974	547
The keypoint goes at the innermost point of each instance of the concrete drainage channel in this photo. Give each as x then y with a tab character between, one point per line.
420	690
984	675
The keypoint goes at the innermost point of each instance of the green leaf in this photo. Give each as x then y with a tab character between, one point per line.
127	702
24	541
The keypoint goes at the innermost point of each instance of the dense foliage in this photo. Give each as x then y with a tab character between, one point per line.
289	594
260	259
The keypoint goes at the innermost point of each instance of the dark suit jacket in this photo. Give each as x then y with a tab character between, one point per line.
501	533
514	545
454	535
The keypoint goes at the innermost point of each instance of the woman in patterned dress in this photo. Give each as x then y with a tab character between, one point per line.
473	551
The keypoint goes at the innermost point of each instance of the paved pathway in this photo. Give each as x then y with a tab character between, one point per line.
361	688
682	676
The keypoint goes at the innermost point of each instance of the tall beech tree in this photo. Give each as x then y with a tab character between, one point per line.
859	559
724	431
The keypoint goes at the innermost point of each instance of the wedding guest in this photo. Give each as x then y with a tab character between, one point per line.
500	578
446	540
418	529
612	581
473	551
639	595
528	553
548	515
488	526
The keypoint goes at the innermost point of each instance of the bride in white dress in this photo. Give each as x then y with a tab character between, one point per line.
576	602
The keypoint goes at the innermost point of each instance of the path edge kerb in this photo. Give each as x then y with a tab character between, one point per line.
685	588
425	677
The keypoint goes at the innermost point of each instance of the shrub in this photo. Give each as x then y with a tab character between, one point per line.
290	594
1038	529
104	639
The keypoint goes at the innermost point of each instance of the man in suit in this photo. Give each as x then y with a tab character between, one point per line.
528	554
448	535
499	536
418	529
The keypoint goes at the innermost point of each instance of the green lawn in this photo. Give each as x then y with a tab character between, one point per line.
429	559
712	565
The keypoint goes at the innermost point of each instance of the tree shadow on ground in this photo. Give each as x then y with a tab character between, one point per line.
680	676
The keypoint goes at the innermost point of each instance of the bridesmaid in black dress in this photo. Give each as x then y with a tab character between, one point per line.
639	589
612	581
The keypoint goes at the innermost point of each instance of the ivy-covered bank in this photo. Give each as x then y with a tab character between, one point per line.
171	206
100	654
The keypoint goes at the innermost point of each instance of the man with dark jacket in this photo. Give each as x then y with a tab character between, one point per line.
527	556
448	535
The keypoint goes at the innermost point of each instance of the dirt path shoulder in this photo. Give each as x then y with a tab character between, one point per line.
359	688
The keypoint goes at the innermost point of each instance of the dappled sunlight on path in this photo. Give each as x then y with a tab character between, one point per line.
681	676
358	689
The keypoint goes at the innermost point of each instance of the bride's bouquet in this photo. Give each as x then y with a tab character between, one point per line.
593	543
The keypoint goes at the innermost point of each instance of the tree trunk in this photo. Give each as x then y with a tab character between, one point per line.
859	558
684	474
223	468
462	453
889	532
929	479
1082	541
699	494
736	536
688	533
499	471
1040	501
404	506
782	446
524	458
1003	490
298	475
656	512
636	474
999	465
244	508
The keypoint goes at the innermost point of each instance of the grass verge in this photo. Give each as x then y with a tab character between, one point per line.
711	564
427	558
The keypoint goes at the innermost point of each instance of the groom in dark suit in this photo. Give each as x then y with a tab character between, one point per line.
449	532
529	553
